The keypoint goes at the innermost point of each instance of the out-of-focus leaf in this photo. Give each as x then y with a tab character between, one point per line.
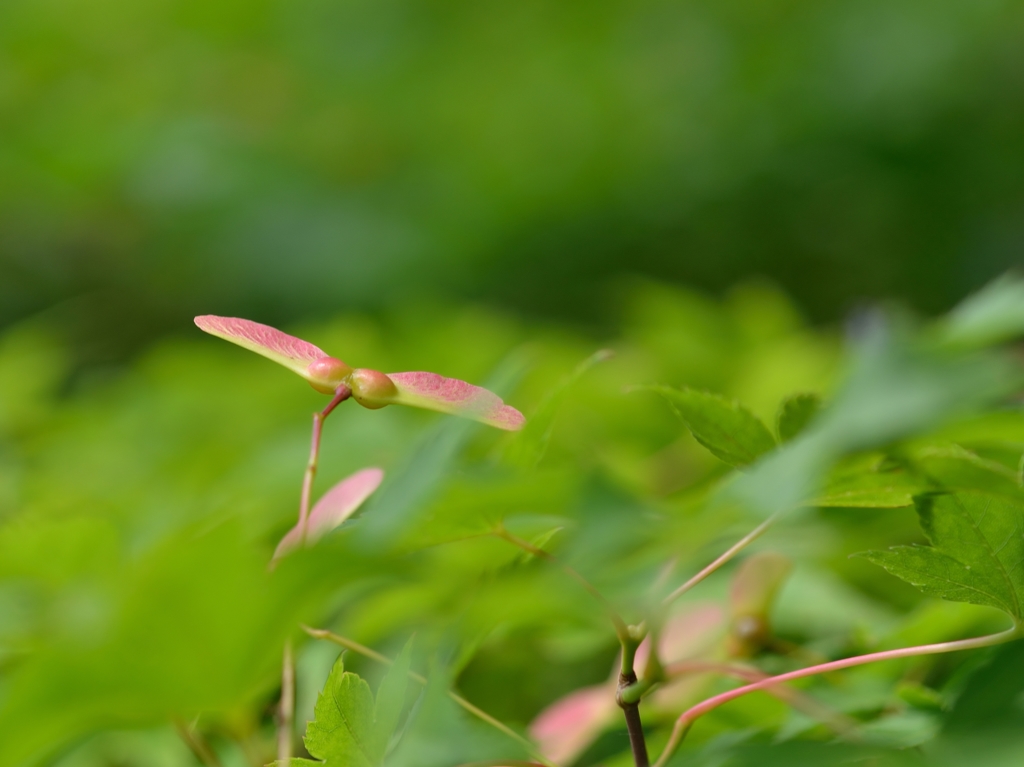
920	696
993	314
951	467
895	387
166	633
990	698
810	754
568	726
477	503
867	482
529	450
868	491
977	551
726	428
391	698
439	733
795	414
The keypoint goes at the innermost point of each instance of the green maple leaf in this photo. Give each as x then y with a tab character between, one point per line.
795	414
725	427
977	551
868	481
350	728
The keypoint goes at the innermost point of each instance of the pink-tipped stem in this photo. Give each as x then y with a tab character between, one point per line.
685	721
342	394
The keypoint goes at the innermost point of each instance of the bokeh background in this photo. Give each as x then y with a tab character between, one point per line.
491	191
294	159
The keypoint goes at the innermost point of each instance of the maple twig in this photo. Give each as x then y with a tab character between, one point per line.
479	713
687	719
631	712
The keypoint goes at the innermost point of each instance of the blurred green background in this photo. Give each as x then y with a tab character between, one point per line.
293	159
490	191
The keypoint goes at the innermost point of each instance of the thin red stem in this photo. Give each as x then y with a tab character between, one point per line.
686	720
342	394
286	709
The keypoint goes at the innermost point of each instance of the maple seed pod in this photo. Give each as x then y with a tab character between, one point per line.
371	388
327	374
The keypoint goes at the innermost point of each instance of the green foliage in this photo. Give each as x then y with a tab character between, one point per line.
351	729
795	414
139	511
977	551
343	732
991	315
730	431
868	481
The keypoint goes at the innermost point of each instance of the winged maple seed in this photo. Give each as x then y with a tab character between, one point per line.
370	388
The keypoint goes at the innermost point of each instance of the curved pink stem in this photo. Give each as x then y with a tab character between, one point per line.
841	724
687	719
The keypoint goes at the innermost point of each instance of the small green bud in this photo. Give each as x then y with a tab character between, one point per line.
371	388
327	374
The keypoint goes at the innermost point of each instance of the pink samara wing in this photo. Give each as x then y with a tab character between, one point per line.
450	395
292	352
